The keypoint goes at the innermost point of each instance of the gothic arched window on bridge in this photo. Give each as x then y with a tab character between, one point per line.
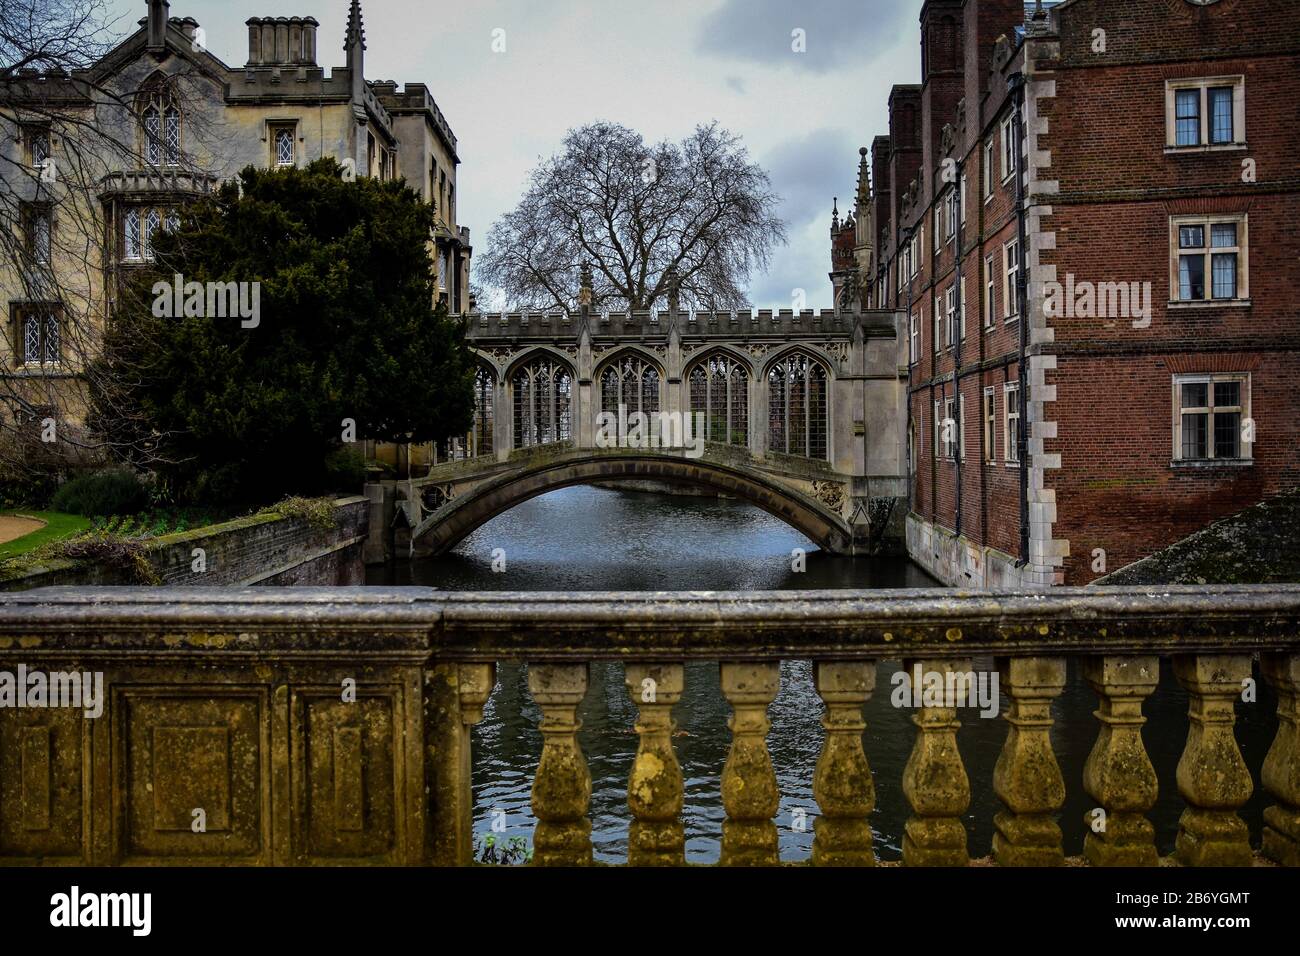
543	389
631	382
720	392
797	407
485	385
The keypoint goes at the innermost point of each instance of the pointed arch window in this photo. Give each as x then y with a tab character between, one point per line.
719	388
543	390
485	385
631	382
797	389
160	122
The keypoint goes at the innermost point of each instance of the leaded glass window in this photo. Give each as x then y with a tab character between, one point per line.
172	136
543	390
485	384
131	245
797	407
41	339
284	146
152	145
152	220
630	382
719	388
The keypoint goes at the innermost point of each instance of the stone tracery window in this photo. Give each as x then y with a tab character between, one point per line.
632	382
797	387
720	391
543	390
485	384
161	122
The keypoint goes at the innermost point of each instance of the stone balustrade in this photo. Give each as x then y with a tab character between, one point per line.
302	727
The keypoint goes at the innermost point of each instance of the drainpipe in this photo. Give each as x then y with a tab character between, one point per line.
1022	300
911	485
961	326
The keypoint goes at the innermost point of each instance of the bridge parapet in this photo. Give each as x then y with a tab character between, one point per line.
513	325
231	702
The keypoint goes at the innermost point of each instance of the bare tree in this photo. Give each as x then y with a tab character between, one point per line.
74	135
637	213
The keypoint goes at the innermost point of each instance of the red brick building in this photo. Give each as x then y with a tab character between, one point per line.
1090	212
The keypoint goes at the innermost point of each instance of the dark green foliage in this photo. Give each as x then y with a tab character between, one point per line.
347	331
19	489
345	471
112	491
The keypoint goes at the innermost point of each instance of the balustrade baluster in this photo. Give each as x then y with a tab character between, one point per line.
654	789
562	786
1212	776
454	696
935	781
842	781
750	793
1281	776
1118	773
1027	777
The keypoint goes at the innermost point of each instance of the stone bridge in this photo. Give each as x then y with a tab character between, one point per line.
800	413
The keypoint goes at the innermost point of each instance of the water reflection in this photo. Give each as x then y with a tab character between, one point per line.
591	538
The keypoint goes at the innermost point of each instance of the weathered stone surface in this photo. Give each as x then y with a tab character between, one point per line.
262	550
562	784
1027	778
319	727
655	789
935	781
1281	772
842	782
1118	774
750	793
1212	776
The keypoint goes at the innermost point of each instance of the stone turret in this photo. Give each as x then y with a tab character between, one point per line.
843	264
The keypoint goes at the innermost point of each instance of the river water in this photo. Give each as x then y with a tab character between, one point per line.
585	538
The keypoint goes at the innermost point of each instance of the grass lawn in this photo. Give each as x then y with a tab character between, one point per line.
57	527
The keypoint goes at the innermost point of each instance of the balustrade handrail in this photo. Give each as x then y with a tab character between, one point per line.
350	711
669	625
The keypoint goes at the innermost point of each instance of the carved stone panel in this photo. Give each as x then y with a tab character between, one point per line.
190	774
42	796
347	769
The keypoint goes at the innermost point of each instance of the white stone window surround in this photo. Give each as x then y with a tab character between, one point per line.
1241	249
1242	410
1237	82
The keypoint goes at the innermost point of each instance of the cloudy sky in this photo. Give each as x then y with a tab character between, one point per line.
657	66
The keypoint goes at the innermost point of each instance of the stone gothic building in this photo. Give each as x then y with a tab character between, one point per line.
100	158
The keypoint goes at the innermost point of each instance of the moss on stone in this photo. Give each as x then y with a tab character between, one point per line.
1255	546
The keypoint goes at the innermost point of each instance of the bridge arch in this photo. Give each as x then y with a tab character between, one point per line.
457	518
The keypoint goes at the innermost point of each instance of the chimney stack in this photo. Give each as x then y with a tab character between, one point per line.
159	14
281	41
